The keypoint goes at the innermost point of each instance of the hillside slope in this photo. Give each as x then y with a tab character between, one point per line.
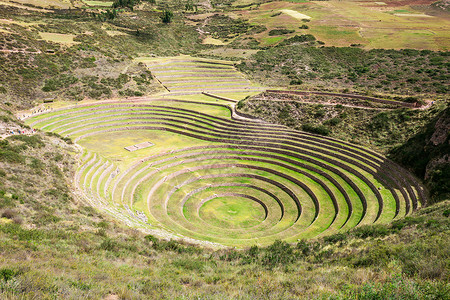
428	154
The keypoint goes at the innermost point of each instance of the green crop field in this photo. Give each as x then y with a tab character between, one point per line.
99	3
229	180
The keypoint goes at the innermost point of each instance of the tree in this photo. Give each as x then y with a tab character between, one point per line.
125	3
109	14
189	5
167	16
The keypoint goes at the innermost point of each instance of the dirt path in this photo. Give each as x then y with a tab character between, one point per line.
20	51
200	28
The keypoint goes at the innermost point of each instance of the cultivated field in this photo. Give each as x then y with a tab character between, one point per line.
39	5
209	176
371	24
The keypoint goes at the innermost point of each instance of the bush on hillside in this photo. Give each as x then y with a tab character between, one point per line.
298	39
167	16
280	31
279	253
318	129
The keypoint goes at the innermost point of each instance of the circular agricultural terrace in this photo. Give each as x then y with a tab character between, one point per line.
207	176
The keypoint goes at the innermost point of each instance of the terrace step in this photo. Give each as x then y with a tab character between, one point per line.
303	184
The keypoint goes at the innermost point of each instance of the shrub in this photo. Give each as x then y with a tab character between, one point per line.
410	99
33	141
11	157
103	224
320	113
7	274
240	104
167	16
280	31
303	247
279	253
46	218
284	113
332	239
380	121
318	129
125	3
109	14
374	256
295	82
8	213
190	264
151	239
109	245
166	245
17	231
298	39
438	181
333	121
253	251
251	255
56	83
17	220
37	165
370	231
230	255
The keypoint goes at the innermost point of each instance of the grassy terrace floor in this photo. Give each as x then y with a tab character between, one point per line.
214	178
185	74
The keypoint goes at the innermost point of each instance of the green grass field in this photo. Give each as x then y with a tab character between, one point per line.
99	3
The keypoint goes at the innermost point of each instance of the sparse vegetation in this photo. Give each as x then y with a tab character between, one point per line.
406	72
224	27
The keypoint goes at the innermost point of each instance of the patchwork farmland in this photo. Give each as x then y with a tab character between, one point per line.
237	182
